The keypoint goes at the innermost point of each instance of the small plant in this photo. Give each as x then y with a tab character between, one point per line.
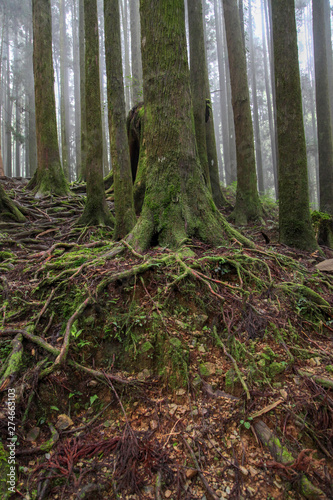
246	423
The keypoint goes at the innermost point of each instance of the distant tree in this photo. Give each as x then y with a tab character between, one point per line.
49	176
96	211
122	177
294	213
177	203
256	125
202	108
324	125
248	204
136	52
83	121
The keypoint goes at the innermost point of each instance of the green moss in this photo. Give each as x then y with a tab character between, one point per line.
276	368
6	255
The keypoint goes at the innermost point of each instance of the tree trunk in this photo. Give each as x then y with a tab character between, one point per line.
96	211
248	205
324	125
294	214
198	82
177	202
136	52
83	164
257	139
76	71
123	192
223	97
2	171
269	101
49	176
64	104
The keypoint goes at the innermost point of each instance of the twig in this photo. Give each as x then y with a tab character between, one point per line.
208	489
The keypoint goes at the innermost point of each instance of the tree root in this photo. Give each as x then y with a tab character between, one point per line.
282	456
13	363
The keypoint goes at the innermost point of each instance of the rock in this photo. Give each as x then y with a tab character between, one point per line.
207	369
167	494
144	374
202	349
325	265
33	434
153	425
180	392
92	383
243	470
63	422
191	473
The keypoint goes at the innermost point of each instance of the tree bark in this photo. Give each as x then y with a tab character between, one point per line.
324	125
177	203
123	193
256	129
49	176
248	205
294	214
8	209
96	211
83	163
136	52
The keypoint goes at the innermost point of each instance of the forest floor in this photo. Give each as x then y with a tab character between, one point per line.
197	374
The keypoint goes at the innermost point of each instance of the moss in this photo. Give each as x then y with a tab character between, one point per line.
6	255
276	368
4	471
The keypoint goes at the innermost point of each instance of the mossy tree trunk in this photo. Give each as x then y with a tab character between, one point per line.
122	177
248	204
294	213
8	209
324	125
96	211
177	202
49	176
197	78
83	163
202	110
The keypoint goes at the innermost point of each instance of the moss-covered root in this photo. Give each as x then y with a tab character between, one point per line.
5	469
14	360
282	455
325	382
8	208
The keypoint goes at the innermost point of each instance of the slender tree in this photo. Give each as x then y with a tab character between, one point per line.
177	203
83	157
324	125
96	211
248	205
256	128
198	82
294	214
122	177
49	176
136	52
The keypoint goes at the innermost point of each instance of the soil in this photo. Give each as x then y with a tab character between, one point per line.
142	376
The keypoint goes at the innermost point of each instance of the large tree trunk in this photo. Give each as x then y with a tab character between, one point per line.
294	214
248	205
324	125
177	203
123	192
96	211
49	176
